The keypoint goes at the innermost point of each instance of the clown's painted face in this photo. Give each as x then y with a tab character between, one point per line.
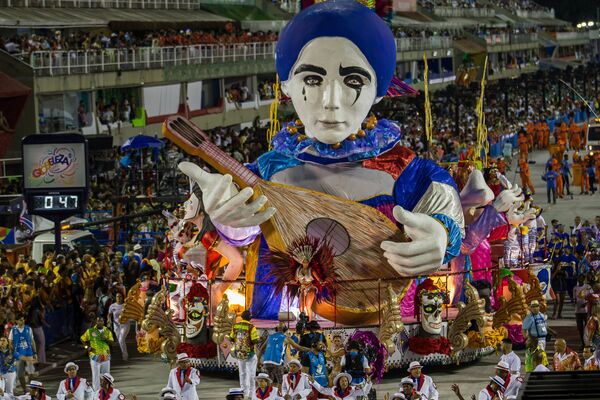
196	315
332	87
431	312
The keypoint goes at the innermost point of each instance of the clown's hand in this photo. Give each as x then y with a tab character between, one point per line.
224	203
507	198
425	252
516	218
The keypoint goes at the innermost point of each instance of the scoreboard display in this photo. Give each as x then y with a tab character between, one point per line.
55	174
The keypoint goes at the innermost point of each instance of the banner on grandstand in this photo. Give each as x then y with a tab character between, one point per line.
405	5
161	100
194	95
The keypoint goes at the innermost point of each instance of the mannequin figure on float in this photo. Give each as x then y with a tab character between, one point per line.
335	60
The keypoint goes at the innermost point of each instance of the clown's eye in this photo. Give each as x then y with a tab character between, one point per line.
354	81
429	308
195	315
313	80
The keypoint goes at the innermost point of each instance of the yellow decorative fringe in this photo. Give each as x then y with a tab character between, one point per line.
427	106
273	120
482	139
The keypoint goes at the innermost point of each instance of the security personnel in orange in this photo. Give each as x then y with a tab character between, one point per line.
525	176
523	144
574	136
539	134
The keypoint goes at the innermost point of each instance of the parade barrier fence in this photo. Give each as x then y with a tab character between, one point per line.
61	327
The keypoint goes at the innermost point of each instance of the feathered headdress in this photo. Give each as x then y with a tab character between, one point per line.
319	255
428	287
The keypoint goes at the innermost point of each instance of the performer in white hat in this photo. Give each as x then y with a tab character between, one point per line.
296	385
235	394
167	394
74	387
36	391
342	388
423	383
264	389
512	383
492	391
184	378
107	391
407	389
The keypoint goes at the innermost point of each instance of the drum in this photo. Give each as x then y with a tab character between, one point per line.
543	273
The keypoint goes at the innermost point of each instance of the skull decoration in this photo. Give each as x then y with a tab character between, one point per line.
197	310
428	306
196	316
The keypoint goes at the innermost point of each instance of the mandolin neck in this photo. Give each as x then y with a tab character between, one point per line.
226	164
195	142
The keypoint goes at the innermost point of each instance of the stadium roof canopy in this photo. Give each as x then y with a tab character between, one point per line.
21	17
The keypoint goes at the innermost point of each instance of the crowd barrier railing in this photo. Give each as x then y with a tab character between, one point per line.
51	63
428	43
120	4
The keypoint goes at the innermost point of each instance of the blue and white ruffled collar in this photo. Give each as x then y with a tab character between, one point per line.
376	141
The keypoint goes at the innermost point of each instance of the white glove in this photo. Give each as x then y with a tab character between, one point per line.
425	253
516	218
507	198
223	202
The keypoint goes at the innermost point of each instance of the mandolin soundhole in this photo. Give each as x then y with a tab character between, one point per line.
334	233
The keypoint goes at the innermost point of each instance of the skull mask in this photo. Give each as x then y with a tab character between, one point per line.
431	312
196	316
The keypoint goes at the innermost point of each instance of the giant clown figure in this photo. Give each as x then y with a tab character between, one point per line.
335	60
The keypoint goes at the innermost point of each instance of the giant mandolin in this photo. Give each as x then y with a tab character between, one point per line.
355	231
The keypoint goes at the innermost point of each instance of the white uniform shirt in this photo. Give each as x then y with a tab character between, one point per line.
115	310
114	395
425	387
302	387
27	397
514	385
272	395
81	392
355	391
184	390
541	368
513	361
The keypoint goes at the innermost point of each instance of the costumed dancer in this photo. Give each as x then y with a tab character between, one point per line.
512	383
107	391
244	338
74	387
342	388
265	389
296	384
120	329
424	384
184	379
97	341
335	60
308	274
493	391
37	391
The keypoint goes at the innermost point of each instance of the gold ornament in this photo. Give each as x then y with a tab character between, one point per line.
535	293
336	146
515	307
301	138
352	137
298	122
391	321
473	310
223	321
159	321
292	129
133	308
361	133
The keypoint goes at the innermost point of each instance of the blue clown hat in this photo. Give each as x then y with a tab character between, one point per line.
340	18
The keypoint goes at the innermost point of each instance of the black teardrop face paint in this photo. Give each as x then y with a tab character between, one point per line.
304	92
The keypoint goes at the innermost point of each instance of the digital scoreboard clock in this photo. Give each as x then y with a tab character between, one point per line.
55	202
55	174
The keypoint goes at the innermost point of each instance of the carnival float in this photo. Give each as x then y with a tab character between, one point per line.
341	224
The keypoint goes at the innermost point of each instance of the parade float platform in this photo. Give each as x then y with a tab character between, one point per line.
400	359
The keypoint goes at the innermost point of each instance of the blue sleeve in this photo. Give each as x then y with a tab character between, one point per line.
454	236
